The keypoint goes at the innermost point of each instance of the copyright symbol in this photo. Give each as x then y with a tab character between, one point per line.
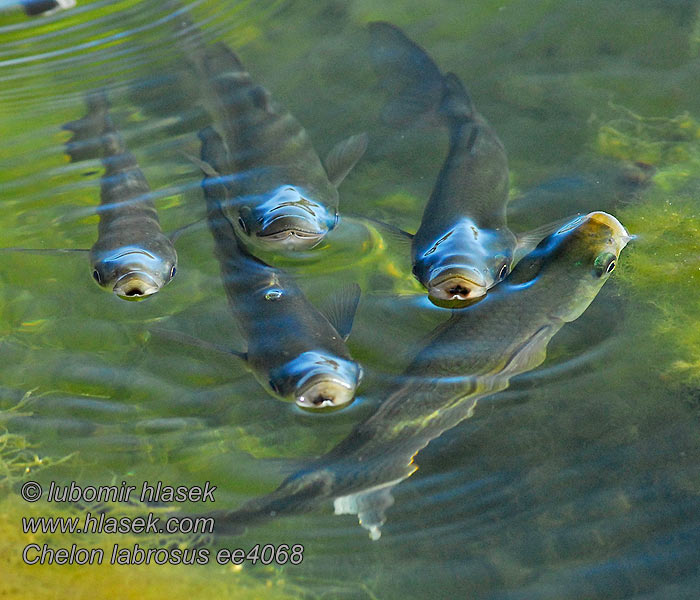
30	491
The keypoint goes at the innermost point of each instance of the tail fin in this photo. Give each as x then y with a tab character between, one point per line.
413	80
88	133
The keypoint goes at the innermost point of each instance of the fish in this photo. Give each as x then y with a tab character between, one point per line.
296	352
470	357
132	256
283	197
463	246
35	8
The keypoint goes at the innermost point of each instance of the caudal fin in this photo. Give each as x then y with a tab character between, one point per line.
416	87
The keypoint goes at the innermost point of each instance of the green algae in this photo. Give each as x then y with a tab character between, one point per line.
661	267
107	581
19	458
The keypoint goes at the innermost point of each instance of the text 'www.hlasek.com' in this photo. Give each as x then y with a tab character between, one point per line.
99	521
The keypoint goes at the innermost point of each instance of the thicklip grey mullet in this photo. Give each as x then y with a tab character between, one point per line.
297	352
476	353
132	256
282	197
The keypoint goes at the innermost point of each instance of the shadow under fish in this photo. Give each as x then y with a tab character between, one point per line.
283	197
471	356
296	352
463	246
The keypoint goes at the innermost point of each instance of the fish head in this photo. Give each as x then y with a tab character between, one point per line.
133	273
286	220
465	262
316	380
572	264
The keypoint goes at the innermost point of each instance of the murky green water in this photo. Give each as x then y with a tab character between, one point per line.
582	480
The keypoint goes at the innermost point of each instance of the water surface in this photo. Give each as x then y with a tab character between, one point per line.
579	481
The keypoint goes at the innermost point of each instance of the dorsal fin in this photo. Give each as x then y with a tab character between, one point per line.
190	340
456	102
527	241
341	308
344	156
261	98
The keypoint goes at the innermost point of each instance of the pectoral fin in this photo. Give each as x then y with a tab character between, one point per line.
44	250
344	156
527	241
342	307
204	166
184	338
175	235
390	231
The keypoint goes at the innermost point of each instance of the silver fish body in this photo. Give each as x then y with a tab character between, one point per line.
282	196
132	256
463	246
293	349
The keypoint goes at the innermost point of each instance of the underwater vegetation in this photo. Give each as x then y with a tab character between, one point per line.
21	581
661	273
20	460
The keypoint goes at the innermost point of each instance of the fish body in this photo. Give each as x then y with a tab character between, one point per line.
132	256
463	246
471	356
283	197
35	8
293	348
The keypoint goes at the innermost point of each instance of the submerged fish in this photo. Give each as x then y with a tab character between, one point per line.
38	7
463	246
295	351
471	356
132	255
282	197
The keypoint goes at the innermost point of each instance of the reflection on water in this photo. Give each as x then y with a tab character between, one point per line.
578	480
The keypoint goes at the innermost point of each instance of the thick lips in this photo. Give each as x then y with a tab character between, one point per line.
325	393
292	231
135	285
608	220
457	284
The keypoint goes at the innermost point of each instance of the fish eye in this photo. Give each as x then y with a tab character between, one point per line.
172	272
96	276
244	227
605	263
503	272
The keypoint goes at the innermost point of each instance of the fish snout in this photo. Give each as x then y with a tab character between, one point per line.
292	232
136	285
323	392
457	283
290	220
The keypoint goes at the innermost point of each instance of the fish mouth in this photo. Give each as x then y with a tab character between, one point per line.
603	218
324	392
454	285
135	285
292	238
